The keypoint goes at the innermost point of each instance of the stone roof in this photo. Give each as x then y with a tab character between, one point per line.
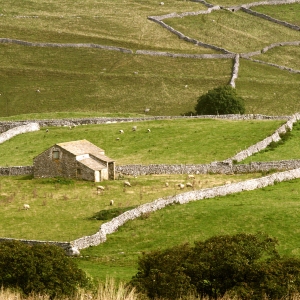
92	164
81	147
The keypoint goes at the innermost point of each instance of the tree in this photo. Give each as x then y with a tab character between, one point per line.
220	101
246	266
41	268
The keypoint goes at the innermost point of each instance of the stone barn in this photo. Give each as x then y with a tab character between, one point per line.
78	159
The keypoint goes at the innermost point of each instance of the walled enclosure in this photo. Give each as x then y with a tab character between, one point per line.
227	166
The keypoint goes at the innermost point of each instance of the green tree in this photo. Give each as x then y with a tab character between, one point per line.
220	101
244	265
41	268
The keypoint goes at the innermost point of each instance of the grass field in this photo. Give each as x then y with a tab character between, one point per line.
188	141
274	210
233	31
93	82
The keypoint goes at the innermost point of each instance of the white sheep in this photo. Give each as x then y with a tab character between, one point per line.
167	184
111	202
148	130
191	176
188	184
100	188
181	186
26	206
127	183
121	131
134	128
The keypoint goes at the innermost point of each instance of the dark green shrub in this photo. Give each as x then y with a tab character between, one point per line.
162	274
41	268
220	101
108	214
244	265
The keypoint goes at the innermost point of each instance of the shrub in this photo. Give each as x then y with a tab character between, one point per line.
41	268
220	101
247	266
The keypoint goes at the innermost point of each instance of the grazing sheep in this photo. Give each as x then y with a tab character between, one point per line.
191	176
47	130
148	130
127	183
117	139
147	110
162	3
121	131
167	184
181	186
134	128
100	188
111	202
26	206
188	184
228	182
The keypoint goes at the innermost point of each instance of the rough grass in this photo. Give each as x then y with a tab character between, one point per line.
123	24
288	13
103	81
64	210
287	56
181	141
234	31
273	210
272	90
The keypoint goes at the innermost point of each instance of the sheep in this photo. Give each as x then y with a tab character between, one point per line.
121	131
117	139
191	176
100	188
188	184
111	202
167	184
134	128
181	186
148	130
147	110
47	130
162	3
26	206
127	183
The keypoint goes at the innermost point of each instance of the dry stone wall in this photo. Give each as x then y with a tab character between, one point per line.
5	136
248	185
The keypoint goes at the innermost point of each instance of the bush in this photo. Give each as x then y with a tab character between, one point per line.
41	268
220	101
247	266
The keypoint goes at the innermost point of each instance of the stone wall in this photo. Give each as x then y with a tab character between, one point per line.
13	131
59	45
248	185
16	171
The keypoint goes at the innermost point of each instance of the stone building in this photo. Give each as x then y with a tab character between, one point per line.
77	159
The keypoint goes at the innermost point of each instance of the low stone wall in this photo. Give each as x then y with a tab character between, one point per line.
5	136
235	70
6	125
248	185
60	45
16	171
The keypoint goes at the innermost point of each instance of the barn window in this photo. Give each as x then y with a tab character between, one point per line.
55	154
78	171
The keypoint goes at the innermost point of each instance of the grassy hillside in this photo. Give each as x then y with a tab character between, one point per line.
189	141
84	80
273	210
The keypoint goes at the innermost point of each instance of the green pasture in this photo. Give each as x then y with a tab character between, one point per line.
63	210
235	31
288	13
85	80
181	141
287	56
267	89
280	151
273	210
121	23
